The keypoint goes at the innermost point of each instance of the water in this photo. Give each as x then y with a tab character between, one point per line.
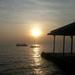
26	61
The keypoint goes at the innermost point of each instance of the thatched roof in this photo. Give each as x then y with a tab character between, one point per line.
68	30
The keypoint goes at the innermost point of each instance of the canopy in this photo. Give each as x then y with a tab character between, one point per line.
68	30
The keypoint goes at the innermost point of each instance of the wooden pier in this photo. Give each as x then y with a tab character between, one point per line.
65	61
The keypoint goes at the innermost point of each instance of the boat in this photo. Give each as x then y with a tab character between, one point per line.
21	44
34	46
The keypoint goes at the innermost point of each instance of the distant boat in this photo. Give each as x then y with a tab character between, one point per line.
34	46
21	44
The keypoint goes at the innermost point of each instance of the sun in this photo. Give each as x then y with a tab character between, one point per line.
36	32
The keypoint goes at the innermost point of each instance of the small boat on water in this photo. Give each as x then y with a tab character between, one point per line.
21	44
34	46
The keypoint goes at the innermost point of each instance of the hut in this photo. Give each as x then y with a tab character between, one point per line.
67	30
64	62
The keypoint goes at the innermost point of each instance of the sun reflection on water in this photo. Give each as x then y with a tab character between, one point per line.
36	56
36	52
39	65
38	70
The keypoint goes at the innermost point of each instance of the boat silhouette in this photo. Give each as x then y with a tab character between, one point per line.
34	46
21	44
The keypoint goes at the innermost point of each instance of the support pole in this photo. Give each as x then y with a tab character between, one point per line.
63	45
54	45
71	45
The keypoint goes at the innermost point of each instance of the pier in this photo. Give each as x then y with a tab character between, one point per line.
65	61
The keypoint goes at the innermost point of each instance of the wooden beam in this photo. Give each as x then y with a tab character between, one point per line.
71	45
54	44
63	45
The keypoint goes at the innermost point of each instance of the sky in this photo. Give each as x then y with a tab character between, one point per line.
18	17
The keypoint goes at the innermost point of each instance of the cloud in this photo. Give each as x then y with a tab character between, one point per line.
20	10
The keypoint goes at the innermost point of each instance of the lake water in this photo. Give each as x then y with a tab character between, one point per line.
26	61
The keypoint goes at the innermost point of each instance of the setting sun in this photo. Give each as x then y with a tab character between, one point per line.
36	32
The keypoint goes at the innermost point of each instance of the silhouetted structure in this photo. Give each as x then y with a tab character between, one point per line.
68	30
64	62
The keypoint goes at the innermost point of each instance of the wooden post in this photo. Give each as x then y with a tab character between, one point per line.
54	45
63	45
71	45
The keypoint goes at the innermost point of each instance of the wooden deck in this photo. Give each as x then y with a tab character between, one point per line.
65	63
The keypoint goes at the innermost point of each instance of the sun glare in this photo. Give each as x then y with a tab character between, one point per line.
36	32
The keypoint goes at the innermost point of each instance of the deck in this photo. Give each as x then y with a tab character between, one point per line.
65	63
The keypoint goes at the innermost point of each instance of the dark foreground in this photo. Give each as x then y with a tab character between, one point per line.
65	63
